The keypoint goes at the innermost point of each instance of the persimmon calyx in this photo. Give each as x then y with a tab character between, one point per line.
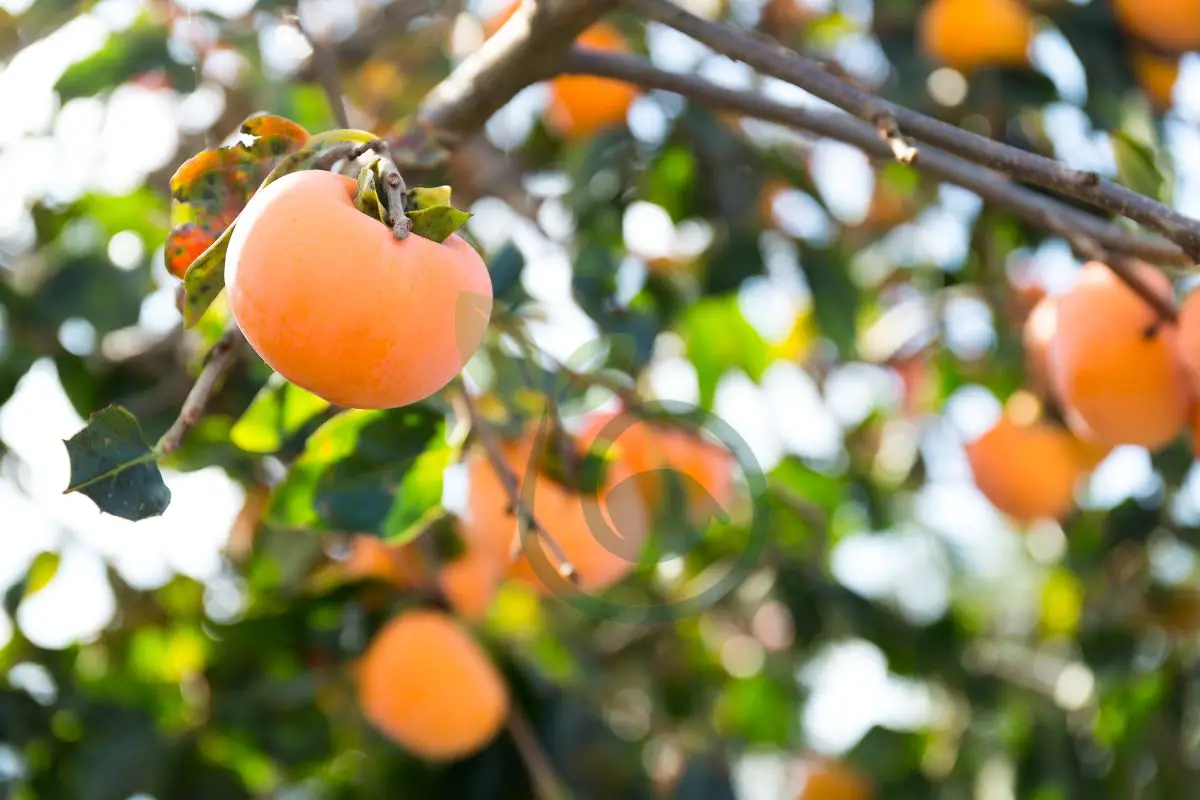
425	211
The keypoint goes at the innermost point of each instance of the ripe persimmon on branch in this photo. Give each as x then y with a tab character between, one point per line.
535	43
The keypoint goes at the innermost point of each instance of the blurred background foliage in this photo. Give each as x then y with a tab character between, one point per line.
851	320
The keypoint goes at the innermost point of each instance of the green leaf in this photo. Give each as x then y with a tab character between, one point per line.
506	267
423	197
437	223
356	492
211	188
278	411
836	299
142	49
352	469
1137	165
113	465
41	572
419	494
719	338
205	279
366	196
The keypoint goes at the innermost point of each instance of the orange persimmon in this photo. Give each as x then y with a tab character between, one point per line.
582	105
331	301
1168	24
601	535
970	34
1028	468
426	684
1114	365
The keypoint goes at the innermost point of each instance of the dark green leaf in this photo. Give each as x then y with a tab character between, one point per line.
113	465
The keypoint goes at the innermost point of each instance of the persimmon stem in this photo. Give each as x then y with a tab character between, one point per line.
396	192
491	447
217	361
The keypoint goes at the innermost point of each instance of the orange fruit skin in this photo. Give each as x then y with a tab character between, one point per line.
1037	337
829	780
1157	76
373	558
566	516
332	302
648	449
469	583
969	34
1169	24
1029	472
427	685
1118	385
1189	337
583	105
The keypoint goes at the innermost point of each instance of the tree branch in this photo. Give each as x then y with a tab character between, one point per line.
546	783
375	30
219	358
1089	234
526	49
772	59
325	65
512	486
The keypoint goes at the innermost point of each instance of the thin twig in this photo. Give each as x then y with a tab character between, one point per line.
778	62
347	152
217	361
546	783
495	455
384	24
326	67
1032	206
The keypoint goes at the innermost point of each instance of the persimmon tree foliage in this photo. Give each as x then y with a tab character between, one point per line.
469	566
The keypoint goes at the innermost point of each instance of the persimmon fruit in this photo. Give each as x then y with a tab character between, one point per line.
825	779
1114	365
1028	468
469	581
371	558
332	302
1157	75
650	449
427	685
600	535
1037	335
583	105
1189	337
1168	24
970	34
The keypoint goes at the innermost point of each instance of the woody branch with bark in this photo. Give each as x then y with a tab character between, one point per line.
535	44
